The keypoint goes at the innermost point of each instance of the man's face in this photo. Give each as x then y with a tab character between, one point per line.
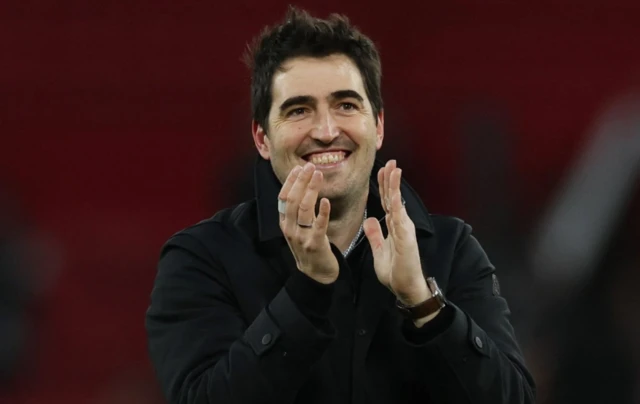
320	113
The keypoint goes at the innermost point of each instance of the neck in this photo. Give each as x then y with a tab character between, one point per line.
344	225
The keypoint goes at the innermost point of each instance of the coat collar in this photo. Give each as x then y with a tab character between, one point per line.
267	186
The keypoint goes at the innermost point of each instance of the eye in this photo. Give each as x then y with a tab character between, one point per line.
348	106
296	112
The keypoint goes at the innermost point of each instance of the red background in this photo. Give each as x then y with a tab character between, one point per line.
120	120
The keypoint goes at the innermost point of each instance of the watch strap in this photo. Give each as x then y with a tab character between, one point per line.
426	308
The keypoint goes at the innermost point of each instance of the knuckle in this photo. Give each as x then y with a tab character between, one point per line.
287	233
308	247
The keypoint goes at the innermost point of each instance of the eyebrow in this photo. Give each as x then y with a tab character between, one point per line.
297	100
309	100
342	94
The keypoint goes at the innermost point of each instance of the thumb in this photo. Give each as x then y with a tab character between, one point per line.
373	231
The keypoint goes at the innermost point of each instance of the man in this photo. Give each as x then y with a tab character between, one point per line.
277	300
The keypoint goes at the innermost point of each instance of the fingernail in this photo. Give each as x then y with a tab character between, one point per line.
308	167
296	170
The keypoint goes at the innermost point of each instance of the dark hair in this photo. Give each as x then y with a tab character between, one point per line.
300	34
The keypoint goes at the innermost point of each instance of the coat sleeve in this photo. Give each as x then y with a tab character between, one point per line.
203	349
475	358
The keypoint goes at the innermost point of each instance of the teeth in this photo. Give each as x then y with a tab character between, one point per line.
327	158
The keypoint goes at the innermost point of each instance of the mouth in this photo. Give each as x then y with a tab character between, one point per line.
327	159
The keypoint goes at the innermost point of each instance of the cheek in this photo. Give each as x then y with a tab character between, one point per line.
288	139
294	135
367	134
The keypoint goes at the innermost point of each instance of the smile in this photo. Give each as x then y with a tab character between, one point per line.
328	158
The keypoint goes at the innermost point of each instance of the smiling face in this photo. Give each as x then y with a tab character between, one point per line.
320	113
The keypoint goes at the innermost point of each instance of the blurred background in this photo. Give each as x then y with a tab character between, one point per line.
123	122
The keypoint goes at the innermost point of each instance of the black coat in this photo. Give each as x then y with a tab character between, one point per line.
230	320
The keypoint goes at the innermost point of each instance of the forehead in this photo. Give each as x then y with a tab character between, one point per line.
317	77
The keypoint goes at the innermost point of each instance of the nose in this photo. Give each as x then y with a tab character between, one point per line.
326	128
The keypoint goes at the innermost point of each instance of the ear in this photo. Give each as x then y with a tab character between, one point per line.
261	140
380	130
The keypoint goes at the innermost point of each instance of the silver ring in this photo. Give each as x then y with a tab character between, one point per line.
282	206
305	226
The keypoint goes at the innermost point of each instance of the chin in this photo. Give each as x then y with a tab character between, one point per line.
334	193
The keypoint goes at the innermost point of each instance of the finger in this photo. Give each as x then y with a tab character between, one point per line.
373	232
295	196
385	184
387	174
386	201
288	184
322	221
391	165
306	210
400	221
394	190
383	195
381	188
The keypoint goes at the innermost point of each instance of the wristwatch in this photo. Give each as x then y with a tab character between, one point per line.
426	308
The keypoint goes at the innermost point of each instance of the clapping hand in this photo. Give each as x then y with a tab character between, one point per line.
305	233
396	258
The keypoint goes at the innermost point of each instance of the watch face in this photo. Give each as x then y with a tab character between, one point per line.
436	291
433	286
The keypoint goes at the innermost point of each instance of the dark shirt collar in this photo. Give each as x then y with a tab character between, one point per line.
267	186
